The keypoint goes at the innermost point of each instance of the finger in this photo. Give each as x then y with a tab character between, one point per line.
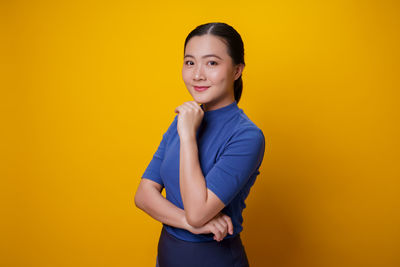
186	107
221	220
229	222
194	104
218	231
191	106
180	108
224	224
188	104
210	228
222	228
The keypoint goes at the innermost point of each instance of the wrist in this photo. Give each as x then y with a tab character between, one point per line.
188	138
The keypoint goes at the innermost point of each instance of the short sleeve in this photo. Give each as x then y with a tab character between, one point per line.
152	171
240	159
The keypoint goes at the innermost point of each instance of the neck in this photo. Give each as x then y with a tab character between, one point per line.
212	106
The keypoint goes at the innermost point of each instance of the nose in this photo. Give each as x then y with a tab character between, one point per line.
198	73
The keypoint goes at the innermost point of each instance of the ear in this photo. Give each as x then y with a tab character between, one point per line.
238	70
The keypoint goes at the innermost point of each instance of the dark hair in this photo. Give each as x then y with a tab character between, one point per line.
232	39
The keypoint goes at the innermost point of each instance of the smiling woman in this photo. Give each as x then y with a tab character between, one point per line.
207	160
210	63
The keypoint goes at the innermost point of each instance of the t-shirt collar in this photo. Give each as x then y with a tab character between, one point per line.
220	112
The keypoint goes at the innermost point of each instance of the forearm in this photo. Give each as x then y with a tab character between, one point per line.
192	183
161	209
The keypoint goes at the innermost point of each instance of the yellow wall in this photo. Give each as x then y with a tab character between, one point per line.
88	88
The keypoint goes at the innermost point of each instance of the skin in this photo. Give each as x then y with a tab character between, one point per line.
202	207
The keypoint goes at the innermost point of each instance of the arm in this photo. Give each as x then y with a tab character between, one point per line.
149	199
203	197
148	195
200	203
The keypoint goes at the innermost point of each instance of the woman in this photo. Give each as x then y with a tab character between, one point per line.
207	160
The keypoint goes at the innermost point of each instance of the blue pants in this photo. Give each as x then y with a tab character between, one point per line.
174	252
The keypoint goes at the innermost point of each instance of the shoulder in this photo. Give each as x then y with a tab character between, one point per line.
173	124
246	139
246	128
171	128
249	136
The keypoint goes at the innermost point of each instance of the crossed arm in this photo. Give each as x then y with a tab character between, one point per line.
148	198
200	203
241	157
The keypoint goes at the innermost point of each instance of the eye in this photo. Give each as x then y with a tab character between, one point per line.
188	61
213	62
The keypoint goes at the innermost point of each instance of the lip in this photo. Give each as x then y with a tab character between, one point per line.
201	88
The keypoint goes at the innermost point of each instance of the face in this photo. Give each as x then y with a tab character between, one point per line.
207	64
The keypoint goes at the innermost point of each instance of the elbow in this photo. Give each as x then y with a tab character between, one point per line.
138	201
194	220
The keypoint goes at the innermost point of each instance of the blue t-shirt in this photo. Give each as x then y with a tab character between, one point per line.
231	149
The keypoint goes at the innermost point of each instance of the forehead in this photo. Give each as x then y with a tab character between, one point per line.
206	44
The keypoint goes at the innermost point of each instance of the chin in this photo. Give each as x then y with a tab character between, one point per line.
200	100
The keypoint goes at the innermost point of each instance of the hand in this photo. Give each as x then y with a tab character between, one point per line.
190	115
220	226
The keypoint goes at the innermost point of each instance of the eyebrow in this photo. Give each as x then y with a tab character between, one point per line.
210	55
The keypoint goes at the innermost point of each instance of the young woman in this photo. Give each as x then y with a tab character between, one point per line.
207	160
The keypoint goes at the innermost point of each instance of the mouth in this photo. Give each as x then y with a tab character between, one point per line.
200	88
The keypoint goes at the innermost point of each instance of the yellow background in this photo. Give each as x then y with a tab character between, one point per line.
89	87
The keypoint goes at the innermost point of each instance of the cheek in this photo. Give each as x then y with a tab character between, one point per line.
217	76
185	76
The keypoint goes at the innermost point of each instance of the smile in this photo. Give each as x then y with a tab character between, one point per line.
201	88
